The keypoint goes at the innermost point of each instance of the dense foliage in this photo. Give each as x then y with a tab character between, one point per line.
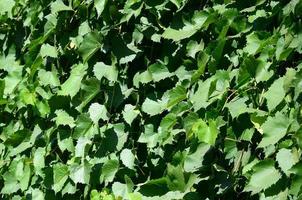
150	99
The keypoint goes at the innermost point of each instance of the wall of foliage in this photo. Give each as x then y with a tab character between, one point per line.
150	99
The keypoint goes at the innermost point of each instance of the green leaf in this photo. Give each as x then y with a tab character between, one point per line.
6	7
59	6
48	50
130	113
177	95
175	178
73	84
109	170
275	94
200	98
149	137
205	133
90	89
91	43
202	61
80	173
97	112
193	47
100	5
237	106
189	29
127	158
153	107
63	118
286	159
39	161
84	127
194	160
274	129
48	78
101	70
158	72
144	77
264	175
60	175
81	148
10	183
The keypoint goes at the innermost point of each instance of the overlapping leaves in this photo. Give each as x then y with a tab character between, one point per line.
150	99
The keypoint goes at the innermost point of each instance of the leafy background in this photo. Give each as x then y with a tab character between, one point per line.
150	99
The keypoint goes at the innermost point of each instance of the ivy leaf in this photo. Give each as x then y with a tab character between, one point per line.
274	129
264	175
